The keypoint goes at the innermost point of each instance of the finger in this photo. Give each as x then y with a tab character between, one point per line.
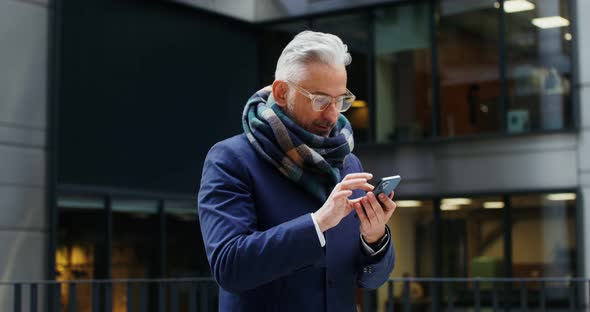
349	184
342	194
369	210
376	206
357	175
389	206
392	194
356	200
361	213
356	184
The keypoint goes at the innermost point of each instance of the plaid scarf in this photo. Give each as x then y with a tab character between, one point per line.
313	162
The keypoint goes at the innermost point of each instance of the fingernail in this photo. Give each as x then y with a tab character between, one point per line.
381	195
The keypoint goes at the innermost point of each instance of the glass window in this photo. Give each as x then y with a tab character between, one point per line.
538	49
135	248
80	245
472	231
353	29
185	251
544	238
469	83
412	233
403	73
186	255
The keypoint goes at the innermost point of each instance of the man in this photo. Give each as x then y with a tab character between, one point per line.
285	218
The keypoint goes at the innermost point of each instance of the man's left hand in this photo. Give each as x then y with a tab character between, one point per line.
373	215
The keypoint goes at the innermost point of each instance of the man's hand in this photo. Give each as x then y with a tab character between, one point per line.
338	206
373	215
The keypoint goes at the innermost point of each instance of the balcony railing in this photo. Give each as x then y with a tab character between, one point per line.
398	294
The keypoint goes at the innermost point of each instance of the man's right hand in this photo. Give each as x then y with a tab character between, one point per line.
338	206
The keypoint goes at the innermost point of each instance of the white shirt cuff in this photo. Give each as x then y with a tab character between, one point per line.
370	250
318	231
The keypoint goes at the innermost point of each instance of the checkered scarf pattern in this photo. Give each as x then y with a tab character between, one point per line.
311	161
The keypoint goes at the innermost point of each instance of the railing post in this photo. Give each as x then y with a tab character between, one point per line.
108	297
390	298
192	297
477	296
143	297
72	299
17	297
542	297
437	294
161	296
95	297
33	298
495	296
406	297
57	296
204	296
450	299
173	297
572	293
129	291
523	297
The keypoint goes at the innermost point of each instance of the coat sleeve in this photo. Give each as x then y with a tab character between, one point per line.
374	270
240	256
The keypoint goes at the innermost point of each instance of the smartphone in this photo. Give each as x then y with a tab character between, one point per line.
387	185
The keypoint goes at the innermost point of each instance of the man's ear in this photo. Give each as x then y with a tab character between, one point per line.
280	92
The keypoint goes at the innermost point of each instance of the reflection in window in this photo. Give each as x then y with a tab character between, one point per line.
353	29
468	64
538	49
80	244
411	230
472	232
403	73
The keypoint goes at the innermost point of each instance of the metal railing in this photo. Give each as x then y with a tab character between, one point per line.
398	294
170	294
484	294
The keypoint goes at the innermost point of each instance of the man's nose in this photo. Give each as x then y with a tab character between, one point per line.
331	113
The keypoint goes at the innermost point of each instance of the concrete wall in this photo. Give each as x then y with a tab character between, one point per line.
583	7
265	10
23	107
484	165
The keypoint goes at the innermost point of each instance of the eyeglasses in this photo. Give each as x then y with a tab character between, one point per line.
320	102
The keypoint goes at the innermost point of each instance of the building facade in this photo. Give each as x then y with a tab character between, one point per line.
106	115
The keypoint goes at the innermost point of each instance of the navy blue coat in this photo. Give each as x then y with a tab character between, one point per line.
262	245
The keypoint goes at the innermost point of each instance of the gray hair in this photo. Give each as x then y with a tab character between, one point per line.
308	47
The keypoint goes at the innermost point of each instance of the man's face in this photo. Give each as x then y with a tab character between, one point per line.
319	79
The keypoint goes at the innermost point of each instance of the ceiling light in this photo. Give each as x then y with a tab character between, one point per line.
456	201
497	5
550	22
493	205
567	36
449	207
408	203
513	6
562	196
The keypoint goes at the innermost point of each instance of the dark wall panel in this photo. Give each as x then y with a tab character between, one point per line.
146	87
